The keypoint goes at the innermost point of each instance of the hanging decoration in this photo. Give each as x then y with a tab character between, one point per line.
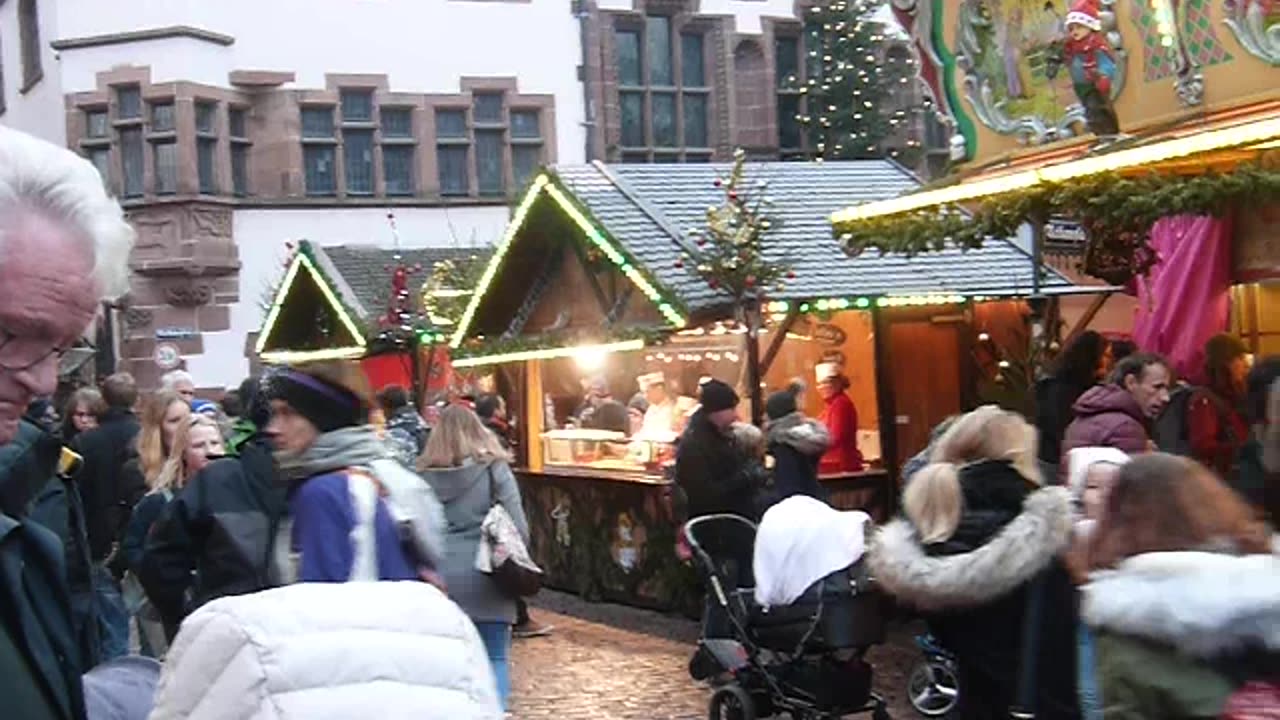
731	251
1116	211
402	324
1091	63
450	286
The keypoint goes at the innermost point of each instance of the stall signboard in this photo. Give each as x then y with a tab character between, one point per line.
1015	73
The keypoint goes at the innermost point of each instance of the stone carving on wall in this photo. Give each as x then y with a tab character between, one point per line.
138	318
1256	25
189	295
189	239
1006	49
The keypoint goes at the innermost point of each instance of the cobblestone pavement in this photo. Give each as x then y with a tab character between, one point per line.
610	662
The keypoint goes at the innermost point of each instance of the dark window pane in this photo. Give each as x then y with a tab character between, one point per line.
789	129
162	117
525	161
131	161
665	158
489	147
697	158
206	151
207	117
397	169
695	74
357	105
101	159
317	122
786	52
240	170
695	120
629	59
451	123
524	124
166	162
96	123
397	122
29	38
658	34
358	156
237	119
487	108
632	119
129	103
664	120
318	160
637	158
454	179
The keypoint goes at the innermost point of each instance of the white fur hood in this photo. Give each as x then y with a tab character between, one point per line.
1204	604
1017	553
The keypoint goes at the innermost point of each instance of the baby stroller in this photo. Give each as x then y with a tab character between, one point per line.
805	659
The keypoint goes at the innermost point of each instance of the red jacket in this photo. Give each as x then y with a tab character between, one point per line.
1216	430
841	419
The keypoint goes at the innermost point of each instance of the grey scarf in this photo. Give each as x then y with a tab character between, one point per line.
808	436
348	447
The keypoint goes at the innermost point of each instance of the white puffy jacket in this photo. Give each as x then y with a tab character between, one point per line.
384	650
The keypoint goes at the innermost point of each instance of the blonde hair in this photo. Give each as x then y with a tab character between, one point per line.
991	433
933	502
748	438
173	475
460	436
151	449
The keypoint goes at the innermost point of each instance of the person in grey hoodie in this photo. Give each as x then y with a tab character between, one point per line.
468	470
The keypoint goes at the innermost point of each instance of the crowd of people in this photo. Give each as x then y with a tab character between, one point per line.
1113	560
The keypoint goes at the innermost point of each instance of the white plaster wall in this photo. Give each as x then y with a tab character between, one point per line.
422	45
40	110
261	236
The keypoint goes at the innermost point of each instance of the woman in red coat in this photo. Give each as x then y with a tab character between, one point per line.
841	419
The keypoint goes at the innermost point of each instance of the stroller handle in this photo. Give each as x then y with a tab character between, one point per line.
692	525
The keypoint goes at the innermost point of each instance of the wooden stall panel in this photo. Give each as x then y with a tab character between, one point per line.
926	380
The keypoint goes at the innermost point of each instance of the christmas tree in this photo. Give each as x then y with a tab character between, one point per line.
851	109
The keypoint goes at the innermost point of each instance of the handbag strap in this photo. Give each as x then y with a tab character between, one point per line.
1024	704
493	486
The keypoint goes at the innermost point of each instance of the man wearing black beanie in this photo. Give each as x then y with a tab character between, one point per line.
709	468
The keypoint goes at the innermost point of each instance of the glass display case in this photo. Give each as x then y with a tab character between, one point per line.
593	451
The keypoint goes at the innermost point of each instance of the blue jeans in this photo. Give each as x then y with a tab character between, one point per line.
1087	678
497	641
113	618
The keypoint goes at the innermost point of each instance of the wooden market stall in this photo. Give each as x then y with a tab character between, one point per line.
336	302
587	296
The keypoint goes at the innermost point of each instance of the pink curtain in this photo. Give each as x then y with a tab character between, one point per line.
1186	298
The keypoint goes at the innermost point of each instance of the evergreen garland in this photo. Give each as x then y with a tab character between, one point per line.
1117	213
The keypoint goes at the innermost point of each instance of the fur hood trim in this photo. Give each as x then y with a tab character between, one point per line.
1204	604
1017	553
808	436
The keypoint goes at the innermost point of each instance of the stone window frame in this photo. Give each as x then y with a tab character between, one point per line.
29	45
791	29
680	23
184	96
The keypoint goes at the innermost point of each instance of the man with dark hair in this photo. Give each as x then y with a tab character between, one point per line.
108	501
406	430
492	410
1118	413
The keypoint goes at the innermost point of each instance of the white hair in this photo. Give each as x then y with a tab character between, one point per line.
48	179
171	379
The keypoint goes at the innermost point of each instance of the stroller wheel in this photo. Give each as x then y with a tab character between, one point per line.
731	702
933	688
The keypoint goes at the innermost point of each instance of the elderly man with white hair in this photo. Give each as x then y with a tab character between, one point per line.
64	246
180	382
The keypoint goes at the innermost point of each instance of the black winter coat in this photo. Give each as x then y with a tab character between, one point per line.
108	496
710	470
978	614
216	537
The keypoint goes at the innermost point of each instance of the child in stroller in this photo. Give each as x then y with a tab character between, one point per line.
805	657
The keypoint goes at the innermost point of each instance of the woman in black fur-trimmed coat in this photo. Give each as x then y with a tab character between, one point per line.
980	531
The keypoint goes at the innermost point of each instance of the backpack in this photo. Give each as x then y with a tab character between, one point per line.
1171	432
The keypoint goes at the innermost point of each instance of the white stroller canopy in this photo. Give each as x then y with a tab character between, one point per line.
800	541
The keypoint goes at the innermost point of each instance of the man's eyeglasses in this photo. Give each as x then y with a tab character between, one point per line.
19	353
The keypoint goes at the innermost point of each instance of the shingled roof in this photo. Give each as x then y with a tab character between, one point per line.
649	210
361	277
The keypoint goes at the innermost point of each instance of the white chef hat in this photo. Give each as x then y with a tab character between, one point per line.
826	370
648	380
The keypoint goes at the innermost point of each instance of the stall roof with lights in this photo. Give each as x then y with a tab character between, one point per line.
345	288
640	217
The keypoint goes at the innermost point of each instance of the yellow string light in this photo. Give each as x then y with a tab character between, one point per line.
302	262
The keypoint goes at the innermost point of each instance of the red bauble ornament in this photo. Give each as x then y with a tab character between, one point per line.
733	195
718	182
679	263
713	283
750	281
791	275
701	242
